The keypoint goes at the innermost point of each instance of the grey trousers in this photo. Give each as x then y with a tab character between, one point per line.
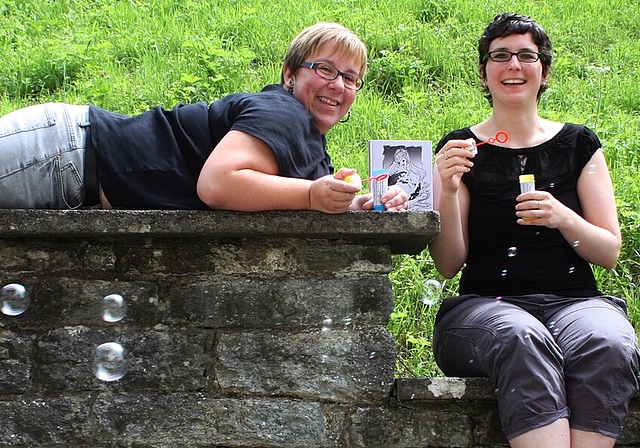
549	357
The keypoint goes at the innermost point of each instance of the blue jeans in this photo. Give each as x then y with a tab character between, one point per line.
42	156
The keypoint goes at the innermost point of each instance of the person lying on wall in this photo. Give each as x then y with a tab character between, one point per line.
245	152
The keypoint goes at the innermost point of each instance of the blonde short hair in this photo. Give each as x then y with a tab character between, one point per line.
321	35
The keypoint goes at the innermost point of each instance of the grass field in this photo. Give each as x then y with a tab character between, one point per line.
131	55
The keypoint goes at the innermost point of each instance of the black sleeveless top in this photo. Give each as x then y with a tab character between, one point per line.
506	258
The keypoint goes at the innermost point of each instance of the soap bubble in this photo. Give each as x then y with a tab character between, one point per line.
373	355
432	291
512	251
114	308
327	323
109	363
15	299
504	273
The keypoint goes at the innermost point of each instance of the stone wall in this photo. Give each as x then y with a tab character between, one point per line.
241	330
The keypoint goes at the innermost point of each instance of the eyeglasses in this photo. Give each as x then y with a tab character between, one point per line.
528	57
326	71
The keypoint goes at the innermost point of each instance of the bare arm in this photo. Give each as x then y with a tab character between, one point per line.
242	174
450	247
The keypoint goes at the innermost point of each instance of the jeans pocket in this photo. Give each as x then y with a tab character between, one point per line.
70	186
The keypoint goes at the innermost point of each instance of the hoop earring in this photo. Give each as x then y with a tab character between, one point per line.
291	86
344	120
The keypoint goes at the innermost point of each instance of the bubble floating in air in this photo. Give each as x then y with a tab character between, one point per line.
114	308
432	292
512	252
109	363
15	299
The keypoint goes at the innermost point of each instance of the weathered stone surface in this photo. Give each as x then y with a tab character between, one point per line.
402	232
198	420
383	427
34	422
242	330
409	390
300	302
15	362
160	360
62	301
332	364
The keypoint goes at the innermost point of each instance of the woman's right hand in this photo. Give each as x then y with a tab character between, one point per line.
453	161
331	194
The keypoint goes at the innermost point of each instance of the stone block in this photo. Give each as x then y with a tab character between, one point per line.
299	302
198	420
62	301
57	421
15	361
161	360
331	364
382	427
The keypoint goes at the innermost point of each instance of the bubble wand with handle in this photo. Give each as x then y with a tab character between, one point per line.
500	137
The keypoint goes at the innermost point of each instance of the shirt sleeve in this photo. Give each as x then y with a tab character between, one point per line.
288	129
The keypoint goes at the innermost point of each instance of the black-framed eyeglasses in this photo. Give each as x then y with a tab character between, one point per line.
326	71
528	57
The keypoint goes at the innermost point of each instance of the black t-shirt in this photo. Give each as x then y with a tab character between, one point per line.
506	258
153	160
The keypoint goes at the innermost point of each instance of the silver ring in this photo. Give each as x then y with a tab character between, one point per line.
446	154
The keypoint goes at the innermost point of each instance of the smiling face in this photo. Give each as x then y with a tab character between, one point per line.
513	81
513	24
327	100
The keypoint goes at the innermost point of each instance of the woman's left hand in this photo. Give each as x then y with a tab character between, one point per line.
539	208
394	200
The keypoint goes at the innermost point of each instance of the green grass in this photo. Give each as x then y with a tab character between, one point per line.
131	55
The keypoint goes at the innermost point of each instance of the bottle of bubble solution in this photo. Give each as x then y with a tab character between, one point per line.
527	183
378	188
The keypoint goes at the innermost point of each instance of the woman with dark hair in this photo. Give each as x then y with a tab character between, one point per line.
247	151
562	355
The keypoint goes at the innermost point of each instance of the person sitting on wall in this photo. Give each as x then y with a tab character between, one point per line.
563	356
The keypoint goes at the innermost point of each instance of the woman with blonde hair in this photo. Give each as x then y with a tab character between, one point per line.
247	151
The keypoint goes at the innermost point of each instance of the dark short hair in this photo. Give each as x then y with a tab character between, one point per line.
507	24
